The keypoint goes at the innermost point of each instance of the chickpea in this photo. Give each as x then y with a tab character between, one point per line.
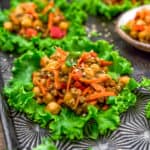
36	74
147	19
43	81
14	19
68	96
75	91
54	92
142	36
64	68
39	100
21	32
53	107
57	19
89	72
52	64
35	80
19	11
95	67
26	21
64	25
130	24
48	98
147	36
140	15
8	26
124	80
134	34
118	88
36	91
105	69
37	24
44	61
140	22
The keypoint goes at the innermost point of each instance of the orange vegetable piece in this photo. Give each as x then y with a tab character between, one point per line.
105	107
50	20
97	95
48	7
56	79
104	63
98	87
138	27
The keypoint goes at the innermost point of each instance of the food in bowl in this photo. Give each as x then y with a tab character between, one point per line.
139	27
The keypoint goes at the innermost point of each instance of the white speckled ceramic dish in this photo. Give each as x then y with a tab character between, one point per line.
123	19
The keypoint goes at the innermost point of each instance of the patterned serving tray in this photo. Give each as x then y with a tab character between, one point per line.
134	131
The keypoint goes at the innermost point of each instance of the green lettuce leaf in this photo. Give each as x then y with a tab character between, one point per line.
145	82
67	123
147	110
47	144
95	7
125	99
15	43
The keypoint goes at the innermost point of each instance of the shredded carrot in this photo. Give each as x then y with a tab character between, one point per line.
50	20
133	1
60	101
93	102
105	107
33	13
48	7
76	75
42	88
97	80
59	50
30	9
77	102
97	95
14	19
69	81
98	87
85	56
48	81
104	63
93	54
56	79
59	64
87	90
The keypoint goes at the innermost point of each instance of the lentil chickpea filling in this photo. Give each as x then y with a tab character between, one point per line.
139	27
27	21
86	83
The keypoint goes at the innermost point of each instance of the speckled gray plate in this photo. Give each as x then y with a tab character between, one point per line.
134	131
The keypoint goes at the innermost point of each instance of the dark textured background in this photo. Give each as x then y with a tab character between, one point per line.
2	142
